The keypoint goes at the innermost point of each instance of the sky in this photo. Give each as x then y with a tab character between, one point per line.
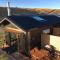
52	4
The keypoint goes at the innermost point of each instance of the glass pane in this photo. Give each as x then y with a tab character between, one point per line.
39	18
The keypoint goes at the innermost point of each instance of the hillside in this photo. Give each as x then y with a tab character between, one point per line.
18	11
14	11
46	11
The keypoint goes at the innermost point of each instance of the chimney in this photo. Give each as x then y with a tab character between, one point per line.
8	9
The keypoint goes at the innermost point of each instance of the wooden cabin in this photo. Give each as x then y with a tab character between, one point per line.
27	32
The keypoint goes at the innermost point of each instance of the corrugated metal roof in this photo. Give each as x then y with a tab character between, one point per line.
29	22
26	22
51	19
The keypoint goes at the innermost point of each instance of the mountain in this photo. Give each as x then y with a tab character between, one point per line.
46	11
18	11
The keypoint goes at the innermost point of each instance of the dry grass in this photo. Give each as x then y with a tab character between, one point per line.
39	54
18	11
42	55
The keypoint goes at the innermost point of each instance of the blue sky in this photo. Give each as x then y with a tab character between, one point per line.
54	4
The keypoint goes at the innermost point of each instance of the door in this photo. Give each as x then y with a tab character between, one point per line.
36	40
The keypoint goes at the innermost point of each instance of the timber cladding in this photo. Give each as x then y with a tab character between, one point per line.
45	40
35	39
56	31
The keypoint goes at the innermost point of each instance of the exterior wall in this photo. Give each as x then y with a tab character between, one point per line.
35	31
35	39
55	41
45	40
50	39
11	26
1	33
12	29
2	37
56	31
37	36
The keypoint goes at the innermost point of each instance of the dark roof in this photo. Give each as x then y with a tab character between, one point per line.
25	22
51	19
29	22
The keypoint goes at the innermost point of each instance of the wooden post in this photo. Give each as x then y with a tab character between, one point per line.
28	43
18	43
51	30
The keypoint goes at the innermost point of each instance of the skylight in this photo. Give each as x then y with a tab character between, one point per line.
39	18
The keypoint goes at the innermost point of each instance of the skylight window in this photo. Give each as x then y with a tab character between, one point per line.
39	18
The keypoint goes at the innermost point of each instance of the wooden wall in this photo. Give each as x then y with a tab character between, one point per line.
45	39
50	39
56	31
38	37
35	39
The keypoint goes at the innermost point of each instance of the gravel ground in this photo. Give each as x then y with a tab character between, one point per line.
19	56
42	55
14	56
39	54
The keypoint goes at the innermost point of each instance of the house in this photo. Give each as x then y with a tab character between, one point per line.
28	31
